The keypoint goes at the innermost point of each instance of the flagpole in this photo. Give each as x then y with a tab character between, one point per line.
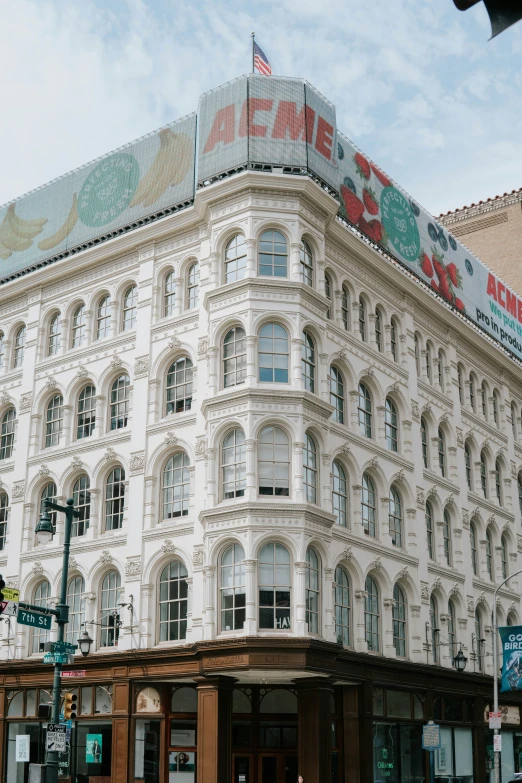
253	34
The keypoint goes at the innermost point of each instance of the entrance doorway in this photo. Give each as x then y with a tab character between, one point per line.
277	768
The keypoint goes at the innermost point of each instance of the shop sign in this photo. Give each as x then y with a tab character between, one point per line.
509	714
56	737
76	673
495	720
93	749
431	736
23	744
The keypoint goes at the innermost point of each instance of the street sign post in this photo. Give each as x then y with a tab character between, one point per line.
56	658
56	737
34	619
495	720
431	743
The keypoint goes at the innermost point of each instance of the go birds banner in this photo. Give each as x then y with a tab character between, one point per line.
511	639
253	121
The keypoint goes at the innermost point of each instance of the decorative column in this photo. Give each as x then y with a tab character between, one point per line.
372	334
458	561
298	472
360	643
93	530
387	626
328	607
212	485
314	741
214	270
190	598
326	501
214	756
66	425
251	266
423	368
354	410
296	374
322	379
251	376
407	445
146	629
381	430
35	433
301	626
445	655
213	370
387	342
452	466
295	261
384	518
99	429
154	400
356	515
209	572
250	611
355	318
250	477
115	317
411	531
89	327
28	534
64	335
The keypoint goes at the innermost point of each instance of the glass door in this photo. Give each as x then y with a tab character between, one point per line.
242	768
277	768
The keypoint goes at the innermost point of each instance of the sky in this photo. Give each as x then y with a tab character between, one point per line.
416	83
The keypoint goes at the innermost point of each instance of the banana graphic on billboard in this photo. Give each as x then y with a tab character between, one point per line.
64	230
16	233
170	167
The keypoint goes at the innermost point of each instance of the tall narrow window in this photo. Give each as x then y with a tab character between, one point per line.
2	350
130	308
489	555
54	335
82	502
76	603
42	595
399	621
371	614
328	293
337	394
395	517
273	255
233	464
364	409
4	517
306	265
109	609
79	326
233	588
274	587
440	366
484	400
19	347
274	462
479	641
378	330
120	396
446	537
345	307
504	557
424	441
308	362
312	582
86	419
342	606
460	385
442	451
176	486
428	362
362	319
169	294
452	639
434	630
193	286
235	259
310	469
103	319
498	481
179	386
513	420
390	425
339	493
173	602
114	499
54	421
472	399
234	357
467	462
483	474
495	409
429	530
416	346
393	340
519	488
473	545
368	505
273	354
7	436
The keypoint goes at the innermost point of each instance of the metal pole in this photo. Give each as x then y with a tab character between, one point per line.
253	38
432	766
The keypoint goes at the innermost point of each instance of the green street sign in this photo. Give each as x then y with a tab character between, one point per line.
56	658
63	647
34	619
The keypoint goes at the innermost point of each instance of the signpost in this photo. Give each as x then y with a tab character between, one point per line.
56	737
9	607
431	743
62	658
495	720
34	619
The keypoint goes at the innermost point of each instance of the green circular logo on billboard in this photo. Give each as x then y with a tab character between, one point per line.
400	225
108	189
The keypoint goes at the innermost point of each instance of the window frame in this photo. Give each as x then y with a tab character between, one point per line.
275	339
395	518
237	569
119	405
372	615
79	326
365	411
273	254
54	335
19	346
274	462
308	363
238	465
114	506
182	403
174	495
104	319
130	308
336	388
86	417
391	425
287	588
54	420
342	591
192	287
233	275
313	590
177	604
237	359
339	507
306	264
399	621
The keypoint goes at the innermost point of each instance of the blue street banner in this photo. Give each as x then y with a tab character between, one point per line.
511	639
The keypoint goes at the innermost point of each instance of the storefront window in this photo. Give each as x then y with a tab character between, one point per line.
92	751
397	753
17	771
147	751
455	755
510	758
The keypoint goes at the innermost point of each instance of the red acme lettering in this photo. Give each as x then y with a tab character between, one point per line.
259	117
504	297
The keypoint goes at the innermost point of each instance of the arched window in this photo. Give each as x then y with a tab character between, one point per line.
472	399
173	602
2	350
452	639
513	421
233	588
234	357
75	589
109	609
362	319
307	264
273	255
479	641
446	537
79	325
179	386
440	365
498	481
233	464
467	461
120	392
460	385
54	421
442	451
339	493
416	346
82	502
428	515
342	606
54	335
337	394
390	425
519	487
511	619
176	486
7	436
273	354
399	621
235	259
103	318
489	555
504	556
378	330
394	332
424	441
368	505
473	545
4	517
169	294
114	499
308	362
274	587
495	408
274	462
86	417
364	410
130	308
310	470
42	594
49	493
428	362
193	286
345	307
328	293
483	474
434	630
484	399
312	586
395	517
19	347
371	614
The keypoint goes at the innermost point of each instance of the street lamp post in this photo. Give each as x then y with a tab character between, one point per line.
495	667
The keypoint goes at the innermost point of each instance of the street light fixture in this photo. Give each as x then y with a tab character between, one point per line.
44	528
460	661
84	643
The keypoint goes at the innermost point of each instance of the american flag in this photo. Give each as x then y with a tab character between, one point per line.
261	61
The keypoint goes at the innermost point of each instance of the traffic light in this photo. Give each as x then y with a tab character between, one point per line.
2	599
70	706
502	13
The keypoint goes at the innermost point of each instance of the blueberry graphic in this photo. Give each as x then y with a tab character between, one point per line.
452	242
414	208
469	268
432	231
443	241
350	184
340	151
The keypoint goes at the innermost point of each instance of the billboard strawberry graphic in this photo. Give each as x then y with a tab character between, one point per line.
362	166
370	202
